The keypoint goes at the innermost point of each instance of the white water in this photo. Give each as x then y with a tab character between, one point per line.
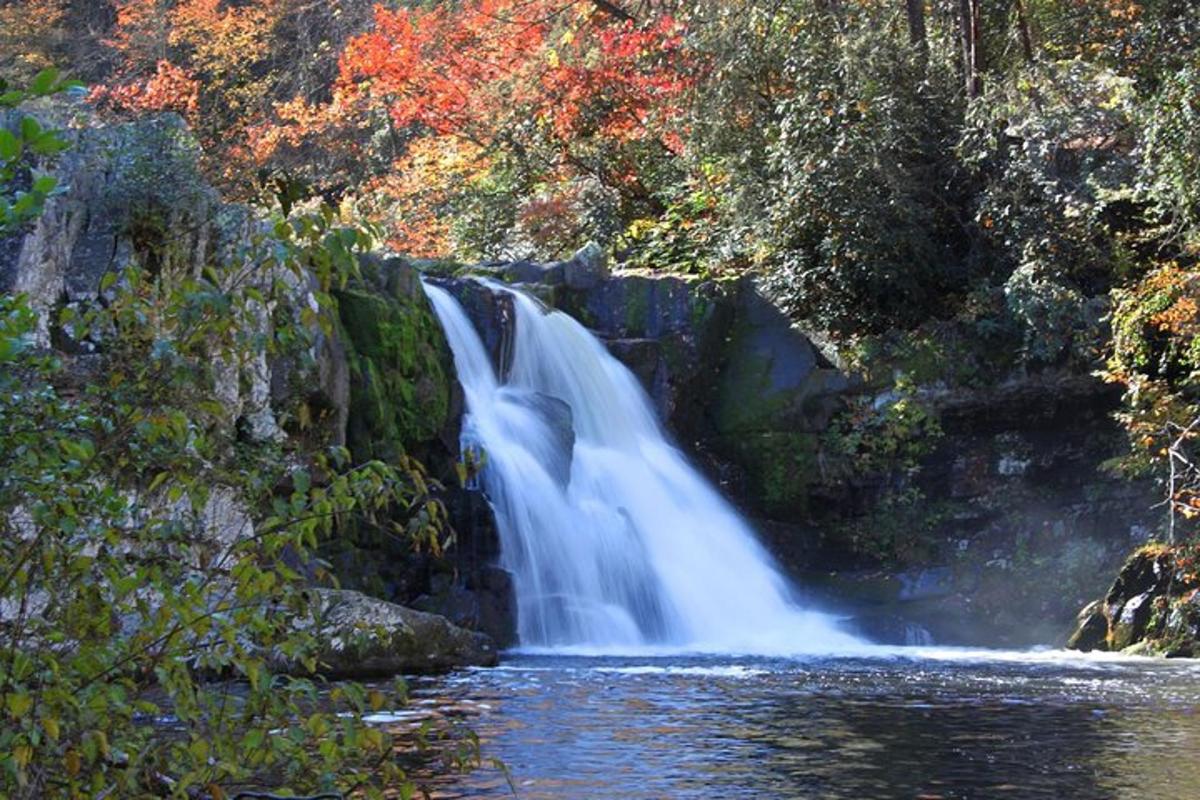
636	552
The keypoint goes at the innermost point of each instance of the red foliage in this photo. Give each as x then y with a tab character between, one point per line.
170	88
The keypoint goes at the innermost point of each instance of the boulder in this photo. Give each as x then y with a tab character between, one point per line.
587	268
1126	619
1091	631
555	415
362	637
484	602
774	379
530	272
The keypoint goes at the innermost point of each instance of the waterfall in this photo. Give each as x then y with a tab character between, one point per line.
615	542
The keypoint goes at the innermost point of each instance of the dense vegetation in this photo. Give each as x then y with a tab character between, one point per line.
1005	187
160	632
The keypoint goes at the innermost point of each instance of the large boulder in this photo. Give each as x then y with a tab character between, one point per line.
130	188
362	637
587	268
1152	607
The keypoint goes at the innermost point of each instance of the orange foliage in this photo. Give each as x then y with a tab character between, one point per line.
29	32
462	69
490	72
170	88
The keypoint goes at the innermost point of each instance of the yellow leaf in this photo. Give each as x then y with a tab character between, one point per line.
50	725
19	705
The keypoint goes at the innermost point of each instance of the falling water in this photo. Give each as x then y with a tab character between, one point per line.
615	542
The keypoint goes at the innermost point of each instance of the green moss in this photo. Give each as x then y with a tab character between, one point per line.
637	307
780	466
400	382
746	400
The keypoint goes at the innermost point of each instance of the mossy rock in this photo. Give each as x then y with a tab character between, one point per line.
779	466
400	364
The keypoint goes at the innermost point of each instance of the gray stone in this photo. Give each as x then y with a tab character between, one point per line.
362	637
587	268
124	182
530	272
1091	632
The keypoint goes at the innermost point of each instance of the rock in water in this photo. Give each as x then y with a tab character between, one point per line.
1091	633
362	637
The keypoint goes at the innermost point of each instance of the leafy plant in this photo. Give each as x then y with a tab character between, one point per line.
23	141
157	569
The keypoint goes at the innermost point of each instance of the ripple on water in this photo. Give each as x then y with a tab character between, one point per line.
918	722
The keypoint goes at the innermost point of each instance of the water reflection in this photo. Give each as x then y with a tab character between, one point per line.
869	728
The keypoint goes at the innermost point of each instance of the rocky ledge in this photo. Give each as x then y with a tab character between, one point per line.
1153	608
362	637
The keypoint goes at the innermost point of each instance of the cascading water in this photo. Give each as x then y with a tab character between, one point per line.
615	543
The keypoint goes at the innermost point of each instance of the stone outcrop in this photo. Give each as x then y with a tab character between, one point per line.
380	382
402	391
126	188
1152	607
363	637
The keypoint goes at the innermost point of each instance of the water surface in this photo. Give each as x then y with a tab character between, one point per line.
909	724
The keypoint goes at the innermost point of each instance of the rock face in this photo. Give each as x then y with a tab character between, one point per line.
382	383
128	188
1152	607
493	314
402	393
362	637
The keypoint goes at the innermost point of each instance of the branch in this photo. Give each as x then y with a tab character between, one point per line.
613	10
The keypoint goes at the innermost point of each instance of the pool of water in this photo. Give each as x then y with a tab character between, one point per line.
917	723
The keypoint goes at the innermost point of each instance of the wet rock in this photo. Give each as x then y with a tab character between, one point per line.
1129	621
362	637
493	314
1091	632
485	602
555	453
1125	619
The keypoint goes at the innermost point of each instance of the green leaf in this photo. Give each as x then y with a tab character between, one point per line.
10	145
44	184
31	129
43	83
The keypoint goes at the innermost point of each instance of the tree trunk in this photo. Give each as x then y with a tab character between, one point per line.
1023	29
916	26
972	48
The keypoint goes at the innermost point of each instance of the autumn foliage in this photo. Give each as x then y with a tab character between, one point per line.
556	91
